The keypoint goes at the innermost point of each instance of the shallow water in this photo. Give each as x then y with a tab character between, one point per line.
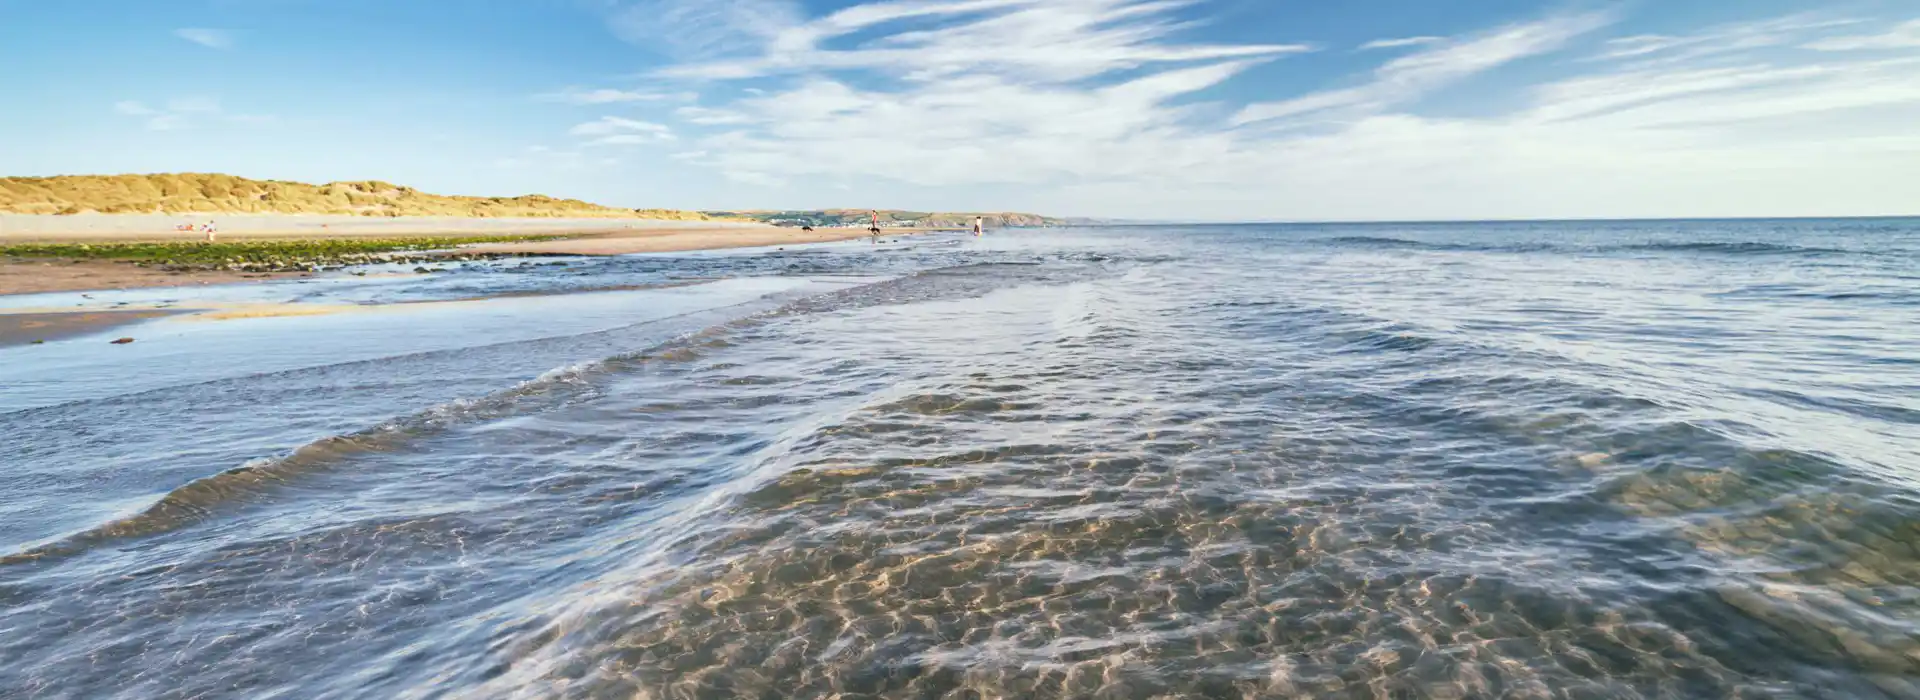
1471	460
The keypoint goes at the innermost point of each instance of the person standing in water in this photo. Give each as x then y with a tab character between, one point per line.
875	228
978	223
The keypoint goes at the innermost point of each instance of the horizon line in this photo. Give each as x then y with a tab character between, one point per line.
1574	220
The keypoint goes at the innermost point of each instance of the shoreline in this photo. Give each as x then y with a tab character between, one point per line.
129	228
22	276
676	241
50	274
34	328
37	325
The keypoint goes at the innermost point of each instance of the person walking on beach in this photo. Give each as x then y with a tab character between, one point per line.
875	228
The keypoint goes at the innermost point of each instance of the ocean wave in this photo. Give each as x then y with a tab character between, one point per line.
1732	248
1388	242
202	498
1705	247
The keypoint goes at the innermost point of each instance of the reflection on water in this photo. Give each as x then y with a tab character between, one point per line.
1620	460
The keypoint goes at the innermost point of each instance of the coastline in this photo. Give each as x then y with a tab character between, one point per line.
584	237
677	241
103	228
574	237
42	276
38	327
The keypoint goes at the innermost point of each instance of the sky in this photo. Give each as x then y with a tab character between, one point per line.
1248	110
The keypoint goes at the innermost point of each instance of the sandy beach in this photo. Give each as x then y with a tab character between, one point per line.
586	237
28	328
674	240
41	276
103	228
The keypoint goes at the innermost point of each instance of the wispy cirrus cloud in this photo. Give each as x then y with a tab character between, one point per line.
1723	39
980	81
1110	106
210	38
607	96
1401	43
1413	76
619	131
700	29
557	160
1903	36
707	116
1054	40
184	112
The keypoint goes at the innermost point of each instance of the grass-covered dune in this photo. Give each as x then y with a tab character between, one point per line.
180	193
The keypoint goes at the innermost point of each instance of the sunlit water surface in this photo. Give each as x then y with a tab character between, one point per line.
1475	460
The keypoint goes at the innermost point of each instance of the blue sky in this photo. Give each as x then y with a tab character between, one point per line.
1217	109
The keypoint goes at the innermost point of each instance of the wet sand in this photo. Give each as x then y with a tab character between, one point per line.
29	328
30	325
101	228
587	237
34	276
675	240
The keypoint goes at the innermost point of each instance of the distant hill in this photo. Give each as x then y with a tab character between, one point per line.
211	193
896	218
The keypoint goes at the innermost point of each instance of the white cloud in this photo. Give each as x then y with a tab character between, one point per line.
210	38
605	126
749	177
627	139
995	79
1905	36
1101	107
618	131
543	158
1401	43
185	112
702	28
711	117
1055	40
1413	76
605	96
1722	40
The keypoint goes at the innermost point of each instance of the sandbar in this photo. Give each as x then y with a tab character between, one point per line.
30	276
103	228
673	240
585	237
28	328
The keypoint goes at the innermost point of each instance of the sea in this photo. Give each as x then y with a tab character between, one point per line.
1662	459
